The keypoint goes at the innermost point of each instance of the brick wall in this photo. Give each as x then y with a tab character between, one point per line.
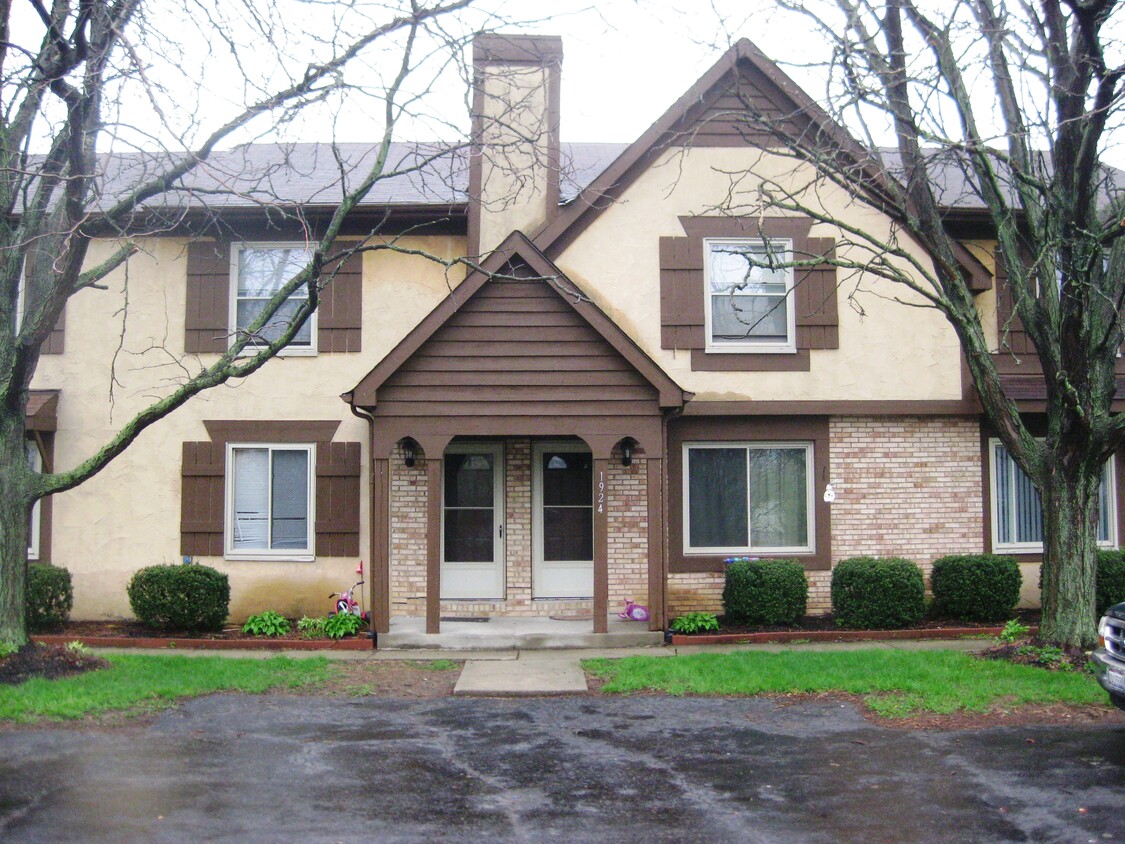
628	532
905	486
408	536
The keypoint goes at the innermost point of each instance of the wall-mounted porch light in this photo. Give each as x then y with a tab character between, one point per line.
627	445
409	452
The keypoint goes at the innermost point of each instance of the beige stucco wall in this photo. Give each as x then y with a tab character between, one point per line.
888	350
128	516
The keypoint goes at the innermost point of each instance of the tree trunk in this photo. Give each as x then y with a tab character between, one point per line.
15	517
1070	544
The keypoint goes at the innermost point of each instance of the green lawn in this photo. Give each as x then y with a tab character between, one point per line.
145	683
892	683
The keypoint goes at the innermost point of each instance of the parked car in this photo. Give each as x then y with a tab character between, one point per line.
1109	659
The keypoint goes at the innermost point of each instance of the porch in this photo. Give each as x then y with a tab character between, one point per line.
506	633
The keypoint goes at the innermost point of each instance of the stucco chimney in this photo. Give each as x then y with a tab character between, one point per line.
514	170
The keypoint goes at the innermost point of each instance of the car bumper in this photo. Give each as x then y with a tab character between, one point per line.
1111	675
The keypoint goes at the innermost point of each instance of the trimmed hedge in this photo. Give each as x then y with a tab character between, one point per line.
185	597
877	593
765	592
1110	580
976	587
50	596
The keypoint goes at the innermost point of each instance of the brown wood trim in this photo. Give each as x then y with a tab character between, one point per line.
702	361
654	469
753	429
601	546
45	443
273	431
42	410
433	540
952	407
380	545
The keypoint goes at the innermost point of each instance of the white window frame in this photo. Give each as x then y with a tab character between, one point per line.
810	527
35	463
304	555
781	246
1037	547
232	315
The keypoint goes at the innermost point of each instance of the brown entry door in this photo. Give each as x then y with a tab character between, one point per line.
472	530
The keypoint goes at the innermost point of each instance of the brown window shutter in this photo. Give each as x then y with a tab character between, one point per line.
817	317
203	493
1010	330
208	298
55	344
682	293
337	499
341	308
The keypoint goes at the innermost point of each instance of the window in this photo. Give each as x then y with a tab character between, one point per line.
748	307
35	464
259	271
748	497
269	501
1017	515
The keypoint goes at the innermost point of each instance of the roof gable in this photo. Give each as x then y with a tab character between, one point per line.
564	316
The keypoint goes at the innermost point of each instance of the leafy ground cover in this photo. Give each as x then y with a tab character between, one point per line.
891	683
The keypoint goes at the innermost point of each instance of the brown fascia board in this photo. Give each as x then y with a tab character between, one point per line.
516	245
554	235
517	49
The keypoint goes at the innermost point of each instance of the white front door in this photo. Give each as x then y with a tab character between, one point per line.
562	500
472	522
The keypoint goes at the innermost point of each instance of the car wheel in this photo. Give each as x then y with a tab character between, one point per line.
1118	700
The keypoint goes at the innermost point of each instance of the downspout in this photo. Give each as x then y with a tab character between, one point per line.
371	514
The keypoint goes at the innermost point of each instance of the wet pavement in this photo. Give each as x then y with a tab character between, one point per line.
646	769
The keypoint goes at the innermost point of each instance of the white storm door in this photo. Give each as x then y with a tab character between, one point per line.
472	527
562	495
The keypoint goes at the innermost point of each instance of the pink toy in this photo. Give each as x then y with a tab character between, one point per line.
634	612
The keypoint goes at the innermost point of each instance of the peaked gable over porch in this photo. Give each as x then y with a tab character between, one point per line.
516	350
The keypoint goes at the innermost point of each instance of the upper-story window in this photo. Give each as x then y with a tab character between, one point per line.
749	308
258	272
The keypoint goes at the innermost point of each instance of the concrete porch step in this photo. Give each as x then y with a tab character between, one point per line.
500	634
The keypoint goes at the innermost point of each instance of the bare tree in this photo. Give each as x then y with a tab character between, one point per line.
1005	108
82	161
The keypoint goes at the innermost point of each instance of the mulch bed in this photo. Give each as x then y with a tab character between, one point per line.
126	633
47	661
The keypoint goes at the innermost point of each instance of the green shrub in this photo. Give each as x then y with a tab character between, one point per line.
191	597
976	587
764	591
268	623
1110	580
695	622
50	596
342	624
873	593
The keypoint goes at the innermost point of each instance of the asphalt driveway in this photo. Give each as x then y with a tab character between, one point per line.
644	769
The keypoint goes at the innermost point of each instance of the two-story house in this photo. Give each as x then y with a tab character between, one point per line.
603	411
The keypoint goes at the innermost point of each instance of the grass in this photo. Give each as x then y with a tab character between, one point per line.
892	683
432	664
145	683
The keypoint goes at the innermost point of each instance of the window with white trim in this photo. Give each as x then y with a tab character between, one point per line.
35	464
1017	513
748	307
745	497
270	499
258	272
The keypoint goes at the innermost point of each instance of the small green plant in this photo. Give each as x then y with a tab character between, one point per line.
695	622
77	647
342	624
311	628
1012	631
7	650
268	623
190	597
764	591
432	664
50	596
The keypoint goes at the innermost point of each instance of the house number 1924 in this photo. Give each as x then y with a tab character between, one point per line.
601	492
